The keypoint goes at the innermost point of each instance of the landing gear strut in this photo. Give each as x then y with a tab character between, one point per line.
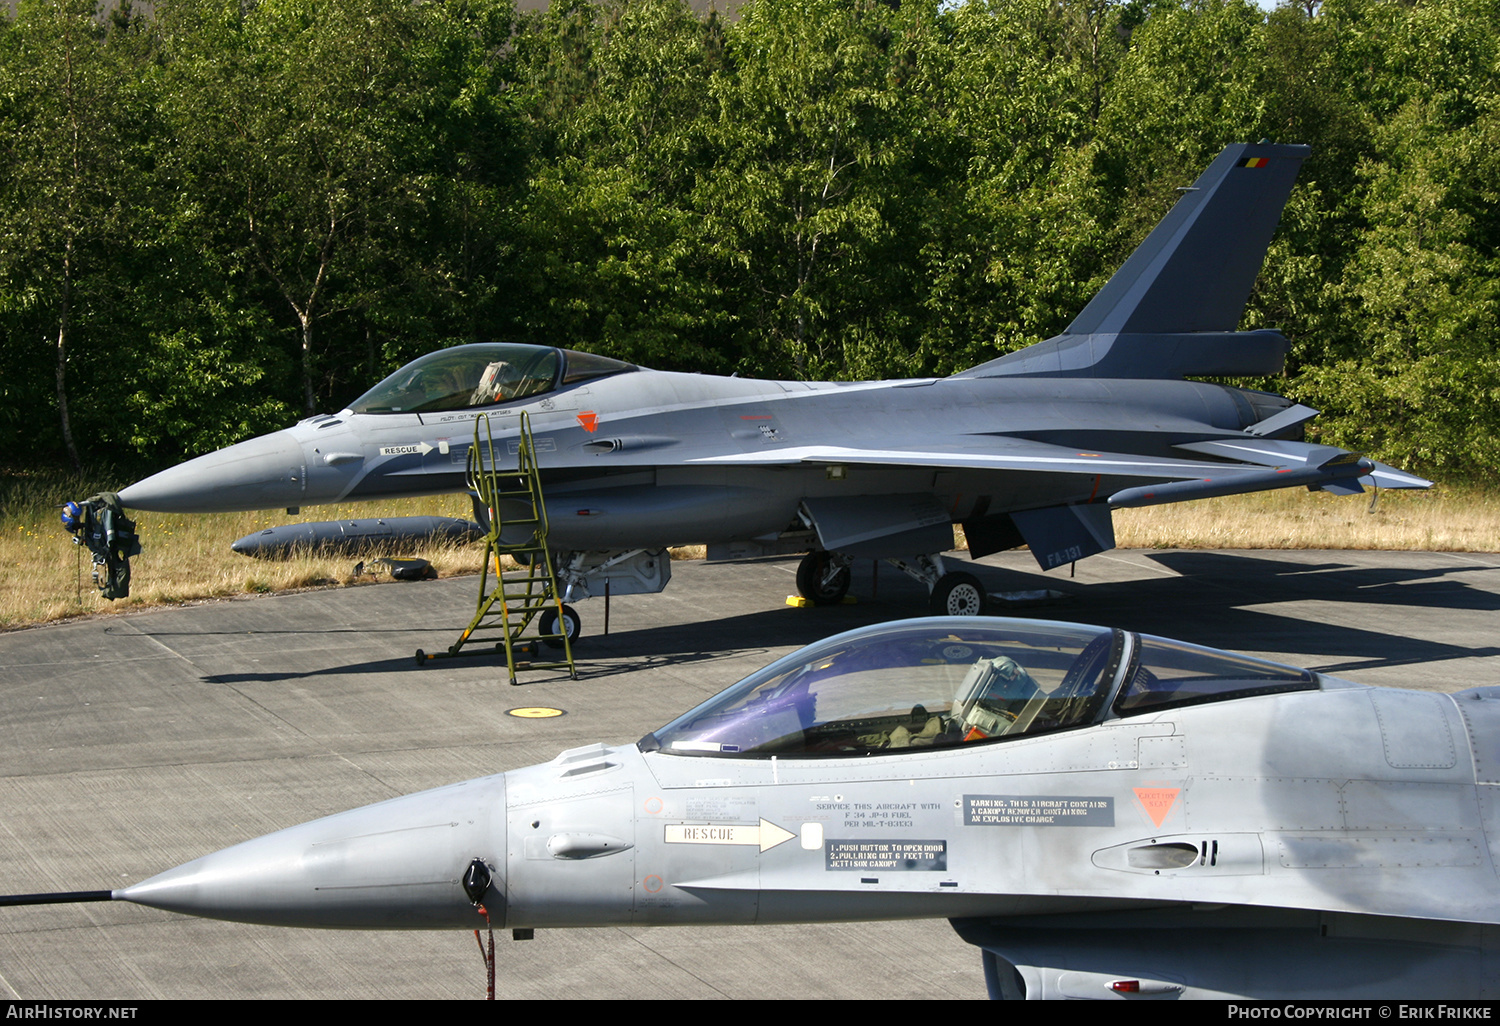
952	594
823	579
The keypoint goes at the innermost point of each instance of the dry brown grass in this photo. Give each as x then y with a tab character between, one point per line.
187	558
1442	519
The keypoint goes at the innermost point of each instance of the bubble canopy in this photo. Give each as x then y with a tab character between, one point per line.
943	682
484	374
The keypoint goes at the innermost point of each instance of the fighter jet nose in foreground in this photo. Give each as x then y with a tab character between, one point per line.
1086	805
400	864
261	473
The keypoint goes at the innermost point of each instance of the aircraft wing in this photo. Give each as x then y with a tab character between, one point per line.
1258	464
1003	453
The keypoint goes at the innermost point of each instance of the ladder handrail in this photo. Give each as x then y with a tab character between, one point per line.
536	589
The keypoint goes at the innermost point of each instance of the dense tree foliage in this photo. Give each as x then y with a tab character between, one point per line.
232	212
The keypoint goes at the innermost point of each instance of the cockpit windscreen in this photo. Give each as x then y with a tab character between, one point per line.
919	684
487	374
1169	674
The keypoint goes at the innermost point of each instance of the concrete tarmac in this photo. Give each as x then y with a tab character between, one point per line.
131	744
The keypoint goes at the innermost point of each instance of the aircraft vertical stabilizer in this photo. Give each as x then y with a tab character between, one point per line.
1195	269
1171	310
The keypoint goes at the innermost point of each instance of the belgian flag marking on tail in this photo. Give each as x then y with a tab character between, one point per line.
1252	162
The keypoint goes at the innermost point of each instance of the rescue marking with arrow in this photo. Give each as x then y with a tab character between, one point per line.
765	835
420	448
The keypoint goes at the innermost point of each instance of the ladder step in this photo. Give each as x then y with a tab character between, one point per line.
522	593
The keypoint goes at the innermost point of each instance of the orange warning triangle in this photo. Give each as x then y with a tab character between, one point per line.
589	419
1157	801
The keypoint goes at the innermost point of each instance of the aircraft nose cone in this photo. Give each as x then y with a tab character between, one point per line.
400	864
261	473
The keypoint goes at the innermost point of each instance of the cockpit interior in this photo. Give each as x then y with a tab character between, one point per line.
484	374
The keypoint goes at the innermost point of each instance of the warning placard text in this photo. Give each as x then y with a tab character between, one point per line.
1038	810
898	856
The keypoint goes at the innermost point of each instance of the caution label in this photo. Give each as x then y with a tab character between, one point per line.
892	856
1157	801
1039	810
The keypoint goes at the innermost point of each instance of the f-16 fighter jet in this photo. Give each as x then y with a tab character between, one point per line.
1035	448
1102	814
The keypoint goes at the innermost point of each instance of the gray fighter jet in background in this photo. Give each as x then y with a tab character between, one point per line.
1035	448
1103	814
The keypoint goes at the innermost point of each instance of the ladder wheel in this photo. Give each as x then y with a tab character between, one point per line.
421	659
572	625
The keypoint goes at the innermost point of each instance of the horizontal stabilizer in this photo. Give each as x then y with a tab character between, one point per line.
1241	483
1268	452
1288	419
1276	452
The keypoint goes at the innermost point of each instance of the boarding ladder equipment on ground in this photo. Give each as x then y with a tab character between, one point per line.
526	588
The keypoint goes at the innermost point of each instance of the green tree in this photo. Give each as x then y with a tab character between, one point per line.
295	120
69	105
617	94
1011	241
1190	84
1423	386
1396	311
815	133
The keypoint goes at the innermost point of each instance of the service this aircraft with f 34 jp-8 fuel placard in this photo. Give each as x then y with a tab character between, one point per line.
1035	448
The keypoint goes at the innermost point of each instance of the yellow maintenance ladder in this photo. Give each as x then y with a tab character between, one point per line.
530	590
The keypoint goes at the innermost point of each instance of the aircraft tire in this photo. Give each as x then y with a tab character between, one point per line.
810	580
959	594
547	624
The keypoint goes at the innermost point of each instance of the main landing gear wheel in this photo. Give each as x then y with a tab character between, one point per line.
958	594
547	624
819	582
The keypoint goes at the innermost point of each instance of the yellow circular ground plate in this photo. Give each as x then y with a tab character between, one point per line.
535	712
